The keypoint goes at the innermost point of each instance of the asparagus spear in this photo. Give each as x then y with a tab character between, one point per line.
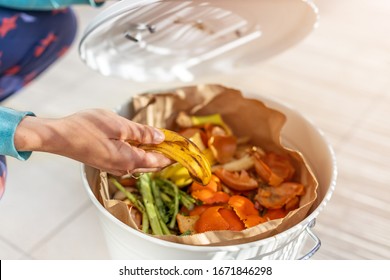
168	187
146	193
138	204
176	206
171	189
163	225
159	202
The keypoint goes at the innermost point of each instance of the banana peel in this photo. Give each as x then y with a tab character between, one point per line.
176	173
183	151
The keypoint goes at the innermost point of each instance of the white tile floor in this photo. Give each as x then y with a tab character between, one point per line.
338	77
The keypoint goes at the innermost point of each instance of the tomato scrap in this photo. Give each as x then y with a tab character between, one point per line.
277	197
280	165
237	180
265	172
223	147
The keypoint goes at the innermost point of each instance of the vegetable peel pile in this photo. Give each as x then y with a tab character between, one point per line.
248	185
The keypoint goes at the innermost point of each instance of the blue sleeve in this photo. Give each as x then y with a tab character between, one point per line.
9	120
45	4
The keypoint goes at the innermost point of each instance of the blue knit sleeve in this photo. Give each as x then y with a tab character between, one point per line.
45	4
9	120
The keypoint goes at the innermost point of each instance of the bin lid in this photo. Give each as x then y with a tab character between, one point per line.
182	40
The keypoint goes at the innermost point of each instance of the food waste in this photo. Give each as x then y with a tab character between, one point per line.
219	181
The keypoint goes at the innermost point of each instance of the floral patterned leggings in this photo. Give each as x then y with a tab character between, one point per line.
30	41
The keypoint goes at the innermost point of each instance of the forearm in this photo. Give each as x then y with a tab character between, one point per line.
36	134
22	133
46	4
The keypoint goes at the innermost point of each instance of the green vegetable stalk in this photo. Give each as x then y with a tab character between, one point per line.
176	206
159	204
137	204
144	185
169	188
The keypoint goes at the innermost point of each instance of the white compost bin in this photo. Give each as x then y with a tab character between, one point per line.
171	40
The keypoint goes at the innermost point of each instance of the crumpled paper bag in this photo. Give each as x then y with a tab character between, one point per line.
246	117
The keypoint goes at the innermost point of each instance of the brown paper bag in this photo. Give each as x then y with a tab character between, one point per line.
246	117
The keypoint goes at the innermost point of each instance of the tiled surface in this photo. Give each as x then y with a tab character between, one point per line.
40	198
338	77
79	236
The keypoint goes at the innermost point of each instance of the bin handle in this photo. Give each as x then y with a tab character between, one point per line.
316	240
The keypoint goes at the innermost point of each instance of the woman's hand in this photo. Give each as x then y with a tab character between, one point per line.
95	137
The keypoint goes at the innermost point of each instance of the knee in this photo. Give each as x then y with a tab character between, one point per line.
50	34
64	26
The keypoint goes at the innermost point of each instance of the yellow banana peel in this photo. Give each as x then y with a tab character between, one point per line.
210	156
176	173
185	152
197	140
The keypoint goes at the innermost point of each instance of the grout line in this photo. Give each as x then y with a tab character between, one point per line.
84	207
15	247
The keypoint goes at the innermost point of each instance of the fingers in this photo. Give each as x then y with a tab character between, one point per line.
114	126
144	134
145	170
132	160
142	161
150	162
